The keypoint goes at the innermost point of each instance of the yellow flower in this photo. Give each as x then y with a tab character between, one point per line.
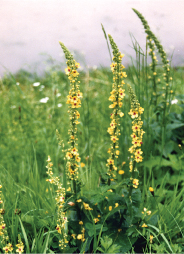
86	206
110	162
121	114
20	248
114	138
116	205
79	237
110	208
74	73
133	113
151	189
48	160
80	222
121	93
141	110
117	152
82	165
78	159
135	128
79	200
58	228
74	151
151	238
96	220
123	74
138	158
135	183
113	105
77	65
67	70
144	226
121	172
6	249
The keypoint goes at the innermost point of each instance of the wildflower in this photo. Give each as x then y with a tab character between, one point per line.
79	200
82	165
116	96
44	100
121	172
58	228
20	245
110	162
96	220
151	190
73	235
80	222
86	206
8	248
36	84
144	226
116	205
135	150
67	70
79	237
110	208
59	105
151	238
41	87
60	199
74	101
175	101
135	183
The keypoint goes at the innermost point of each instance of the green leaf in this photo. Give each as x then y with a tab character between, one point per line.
25	236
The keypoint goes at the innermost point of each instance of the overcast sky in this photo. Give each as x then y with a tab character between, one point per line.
31	27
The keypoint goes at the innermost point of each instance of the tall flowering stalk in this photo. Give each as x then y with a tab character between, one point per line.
137	134
116	97
153	41
74	101
60	201
3	229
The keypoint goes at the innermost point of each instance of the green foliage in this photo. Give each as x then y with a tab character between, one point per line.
106	218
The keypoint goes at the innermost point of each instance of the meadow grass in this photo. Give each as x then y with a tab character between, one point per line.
148	219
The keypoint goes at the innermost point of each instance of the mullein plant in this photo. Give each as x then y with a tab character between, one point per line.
3	229
152	42
137	134
74	101
8	247
116	97
60	201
